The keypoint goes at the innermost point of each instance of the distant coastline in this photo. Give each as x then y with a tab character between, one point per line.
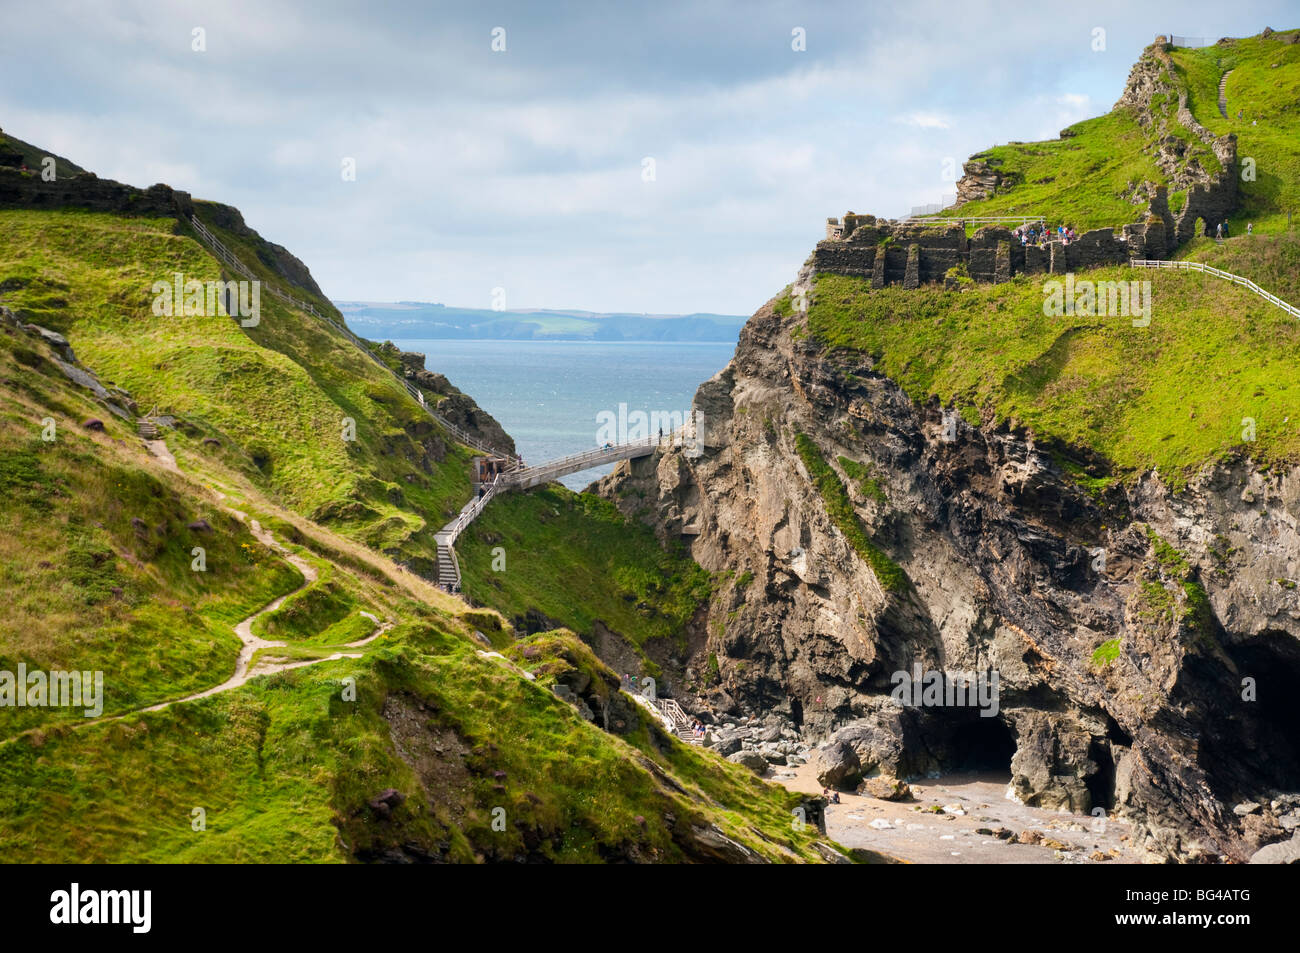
413	319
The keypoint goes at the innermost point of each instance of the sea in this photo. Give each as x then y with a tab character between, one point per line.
552	397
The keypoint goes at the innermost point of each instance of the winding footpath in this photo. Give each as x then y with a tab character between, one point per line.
245	667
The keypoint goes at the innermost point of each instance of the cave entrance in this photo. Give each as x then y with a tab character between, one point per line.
1101	783
983	744
1272	659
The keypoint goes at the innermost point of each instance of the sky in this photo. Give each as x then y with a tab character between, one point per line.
652	157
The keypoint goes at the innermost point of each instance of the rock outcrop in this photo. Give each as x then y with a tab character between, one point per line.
1147	642
450	402
1157	98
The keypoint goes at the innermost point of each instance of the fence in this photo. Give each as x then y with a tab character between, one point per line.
934	208
1217	273
976	220
451	532
1190	42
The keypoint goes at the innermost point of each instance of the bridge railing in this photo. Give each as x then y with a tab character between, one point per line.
580	461
466	516
230	258
974	220
1217	273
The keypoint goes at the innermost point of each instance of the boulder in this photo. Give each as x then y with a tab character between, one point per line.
886	788
837	765
1287	852
725	742
750	759
384	802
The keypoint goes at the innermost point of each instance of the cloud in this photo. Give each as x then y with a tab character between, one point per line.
924	120
477	169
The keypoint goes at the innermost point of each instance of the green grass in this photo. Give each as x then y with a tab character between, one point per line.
274	397
576	559
95	549
1106	653
1193	610
96	556
1086	179
1169	396
1082	180
860	473
284	769
840	509
1269	129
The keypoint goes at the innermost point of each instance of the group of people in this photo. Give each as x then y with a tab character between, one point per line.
1038	233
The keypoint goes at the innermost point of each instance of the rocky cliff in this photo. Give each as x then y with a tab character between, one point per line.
1145	639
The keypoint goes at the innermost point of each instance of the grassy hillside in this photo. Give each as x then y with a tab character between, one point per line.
1264	87
1170	396
576	560
1044	178
287	771
1087	177
95	552
97	572
269	400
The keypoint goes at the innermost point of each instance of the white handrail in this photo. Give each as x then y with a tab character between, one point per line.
959	220
1217	273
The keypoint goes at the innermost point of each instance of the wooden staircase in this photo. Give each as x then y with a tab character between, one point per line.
681	721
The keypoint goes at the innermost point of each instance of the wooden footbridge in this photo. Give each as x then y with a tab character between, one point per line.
519	477
511	473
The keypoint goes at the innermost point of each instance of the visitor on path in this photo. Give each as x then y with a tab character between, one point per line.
1250	228
1225	229
1218	231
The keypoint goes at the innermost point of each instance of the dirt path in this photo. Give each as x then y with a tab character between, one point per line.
914	831
245	668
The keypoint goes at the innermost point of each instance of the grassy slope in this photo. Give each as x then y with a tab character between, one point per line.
1083	179
84	586
1170	396
283	767
574	558
1268	96
275	395
1106	152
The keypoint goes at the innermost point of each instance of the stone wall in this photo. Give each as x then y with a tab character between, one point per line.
20	189
910	255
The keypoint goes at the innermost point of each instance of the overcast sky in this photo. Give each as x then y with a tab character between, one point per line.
525	169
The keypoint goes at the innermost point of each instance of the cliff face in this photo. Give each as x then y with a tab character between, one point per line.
1152	681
